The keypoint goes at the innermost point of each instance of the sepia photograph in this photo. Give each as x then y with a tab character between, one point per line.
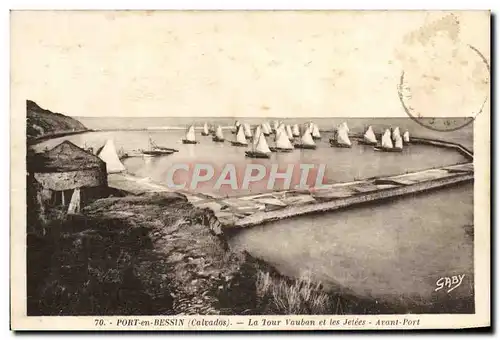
256	170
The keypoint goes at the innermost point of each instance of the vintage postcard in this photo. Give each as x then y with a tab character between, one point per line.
250	170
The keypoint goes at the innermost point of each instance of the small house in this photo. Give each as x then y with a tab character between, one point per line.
69	176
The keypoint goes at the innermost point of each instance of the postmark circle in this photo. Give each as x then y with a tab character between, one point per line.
442	124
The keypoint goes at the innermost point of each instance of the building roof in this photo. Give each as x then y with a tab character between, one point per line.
64	157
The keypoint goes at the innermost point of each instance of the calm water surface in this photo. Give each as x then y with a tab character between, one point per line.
392	250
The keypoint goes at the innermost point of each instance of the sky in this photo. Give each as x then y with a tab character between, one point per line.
240	64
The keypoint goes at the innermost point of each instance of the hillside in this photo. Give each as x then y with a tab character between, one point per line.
41	123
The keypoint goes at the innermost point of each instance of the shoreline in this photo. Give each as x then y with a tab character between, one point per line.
50	136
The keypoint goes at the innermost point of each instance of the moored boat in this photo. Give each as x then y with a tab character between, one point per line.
240	139
155	150
387	145
344	126
259	149
235	128
190	137
369	137
282	142
266	129
109	155
205	131
247	131
395	133
406	137
306	141
219	136
341	139
289	132
315	132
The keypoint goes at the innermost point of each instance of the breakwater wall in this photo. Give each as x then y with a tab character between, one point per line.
444	144
339	203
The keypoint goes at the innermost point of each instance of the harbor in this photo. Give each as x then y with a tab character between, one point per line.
251	210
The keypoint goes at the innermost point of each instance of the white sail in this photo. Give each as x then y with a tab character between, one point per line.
275	125
236	126
268	127
289	132
205	128
295	130
315	131
369	136
343	137
344	125
265	128
262	145
398	143
240	137
74	204
190	135
406	137
282	127
218	132
110	157
396	133
282	141
306	138
247	131
256	135
386	140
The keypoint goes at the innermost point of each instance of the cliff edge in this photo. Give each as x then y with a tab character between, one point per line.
42	123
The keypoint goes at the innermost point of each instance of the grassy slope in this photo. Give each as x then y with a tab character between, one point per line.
41	123
130	255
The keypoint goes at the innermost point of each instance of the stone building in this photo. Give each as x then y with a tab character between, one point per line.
68	177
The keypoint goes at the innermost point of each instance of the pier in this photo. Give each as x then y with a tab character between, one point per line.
251	210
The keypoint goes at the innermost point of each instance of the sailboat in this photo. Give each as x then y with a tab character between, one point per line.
155	150
395	133
108	154
289	132
190	137
236	127
275	126
247	131
282	142
398	144
219	136
205	131
315	132
306	141
266	129
240	138
259	149
406	137
386	143
256	134
211	129
344	125
369	137
295	130
342	139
